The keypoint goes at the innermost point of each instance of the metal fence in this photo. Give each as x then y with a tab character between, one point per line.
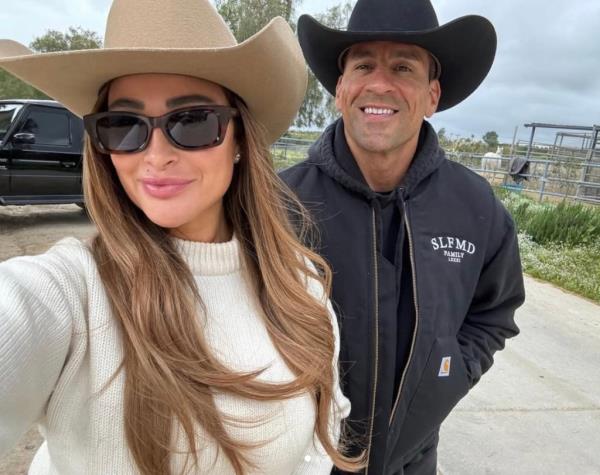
547	178
286	151
552	174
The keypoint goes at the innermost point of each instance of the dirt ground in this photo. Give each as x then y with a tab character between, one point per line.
28	230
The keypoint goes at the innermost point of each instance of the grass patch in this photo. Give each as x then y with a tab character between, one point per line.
310	135
559	243
574	268
284	158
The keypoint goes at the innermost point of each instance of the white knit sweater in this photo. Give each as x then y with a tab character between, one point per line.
60	345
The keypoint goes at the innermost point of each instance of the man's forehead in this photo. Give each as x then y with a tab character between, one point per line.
392	48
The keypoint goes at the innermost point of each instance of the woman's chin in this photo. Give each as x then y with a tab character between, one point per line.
166	220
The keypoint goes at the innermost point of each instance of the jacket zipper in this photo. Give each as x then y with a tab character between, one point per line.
414	282
376	333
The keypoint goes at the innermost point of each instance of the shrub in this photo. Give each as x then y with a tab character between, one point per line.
565	223
559	243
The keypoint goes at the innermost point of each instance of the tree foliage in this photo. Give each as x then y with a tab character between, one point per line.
312	111
442	135
491	139
74	38
318	107
246	17
13	88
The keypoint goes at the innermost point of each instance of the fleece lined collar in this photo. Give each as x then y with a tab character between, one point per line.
332	154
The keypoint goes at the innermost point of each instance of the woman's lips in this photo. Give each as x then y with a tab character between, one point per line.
164	188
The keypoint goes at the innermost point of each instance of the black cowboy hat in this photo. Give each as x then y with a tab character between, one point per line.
465	47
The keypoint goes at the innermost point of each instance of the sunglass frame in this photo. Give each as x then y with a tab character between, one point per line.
224	115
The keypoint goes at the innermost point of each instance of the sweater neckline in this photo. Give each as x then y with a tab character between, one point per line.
210	258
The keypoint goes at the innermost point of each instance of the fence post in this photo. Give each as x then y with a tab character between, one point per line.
581	189
530	146
512	146
543	180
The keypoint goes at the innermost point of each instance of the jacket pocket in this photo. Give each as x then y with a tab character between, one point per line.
443	383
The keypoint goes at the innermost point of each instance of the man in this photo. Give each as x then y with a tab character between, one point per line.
426	267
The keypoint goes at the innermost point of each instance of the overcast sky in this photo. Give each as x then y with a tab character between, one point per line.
547	66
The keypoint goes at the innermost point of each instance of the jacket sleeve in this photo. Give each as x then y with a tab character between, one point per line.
35	334
499	292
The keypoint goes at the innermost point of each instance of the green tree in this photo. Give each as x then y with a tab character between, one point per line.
73	39
319	108
246	17
443	139
491	139
13	88
313	111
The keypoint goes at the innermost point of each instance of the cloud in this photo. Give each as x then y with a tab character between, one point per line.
24	20
547	67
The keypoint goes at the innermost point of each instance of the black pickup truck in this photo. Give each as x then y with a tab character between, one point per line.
41	146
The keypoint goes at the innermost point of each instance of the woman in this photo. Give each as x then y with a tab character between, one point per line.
193	334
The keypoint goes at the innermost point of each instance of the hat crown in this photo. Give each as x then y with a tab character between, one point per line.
171	24
392	15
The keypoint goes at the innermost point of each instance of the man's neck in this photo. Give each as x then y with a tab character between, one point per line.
384	171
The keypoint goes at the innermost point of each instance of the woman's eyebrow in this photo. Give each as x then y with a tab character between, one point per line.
126	103
193	98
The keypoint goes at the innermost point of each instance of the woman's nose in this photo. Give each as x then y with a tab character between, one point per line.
160	152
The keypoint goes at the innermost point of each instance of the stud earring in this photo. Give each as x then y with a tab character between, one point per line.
237	158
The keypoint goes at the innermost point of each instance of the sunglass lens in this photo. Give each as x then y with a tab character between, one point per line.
194	128
122	133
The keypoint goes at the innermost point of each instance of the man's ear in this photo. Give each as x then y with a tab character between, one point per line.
435	92
338	93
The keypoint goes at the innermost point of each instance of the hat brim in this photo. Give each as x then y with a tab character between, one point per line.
267	71
465	48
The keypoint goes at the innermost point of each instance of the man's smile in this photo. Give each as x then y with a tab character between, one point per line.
378	110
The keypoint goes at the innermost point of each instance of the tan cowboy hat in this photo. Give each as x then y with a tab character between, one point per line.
186	37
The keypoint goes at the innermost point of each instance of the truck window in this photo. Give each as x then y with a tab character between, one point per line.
8	112
50	127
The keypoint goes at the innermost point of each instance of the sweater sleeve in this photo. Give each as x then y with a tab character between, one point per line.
37	297
316	461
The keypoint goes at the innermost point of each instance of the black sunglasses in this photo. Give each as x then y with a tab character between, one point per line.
192	128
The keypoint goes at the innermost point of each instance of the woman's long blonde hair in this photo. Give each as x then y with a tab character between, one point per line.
170	371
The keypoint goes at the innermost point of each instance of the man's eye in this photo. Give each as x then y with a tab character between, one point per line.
363	67
403	68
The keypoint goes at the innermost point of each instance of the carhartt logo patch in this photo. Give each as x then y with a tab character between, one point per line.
445	367
453	248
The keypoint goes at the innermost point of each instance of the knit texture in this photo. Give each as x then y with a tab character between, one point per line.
60	345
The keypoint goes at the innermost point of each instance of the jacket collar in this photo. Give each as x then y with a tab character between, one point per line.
332	154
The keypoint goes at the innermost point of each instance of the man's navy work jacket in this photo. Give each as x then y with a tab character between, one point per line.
465	283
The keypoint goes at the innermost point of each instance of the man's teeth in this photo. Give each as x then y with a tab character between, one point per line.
377	111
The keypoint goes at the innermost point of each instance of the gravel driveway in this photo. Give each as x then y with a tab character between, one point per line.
28	230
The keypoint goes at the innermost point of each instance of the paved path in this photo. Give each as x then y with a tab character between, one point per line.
537	411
